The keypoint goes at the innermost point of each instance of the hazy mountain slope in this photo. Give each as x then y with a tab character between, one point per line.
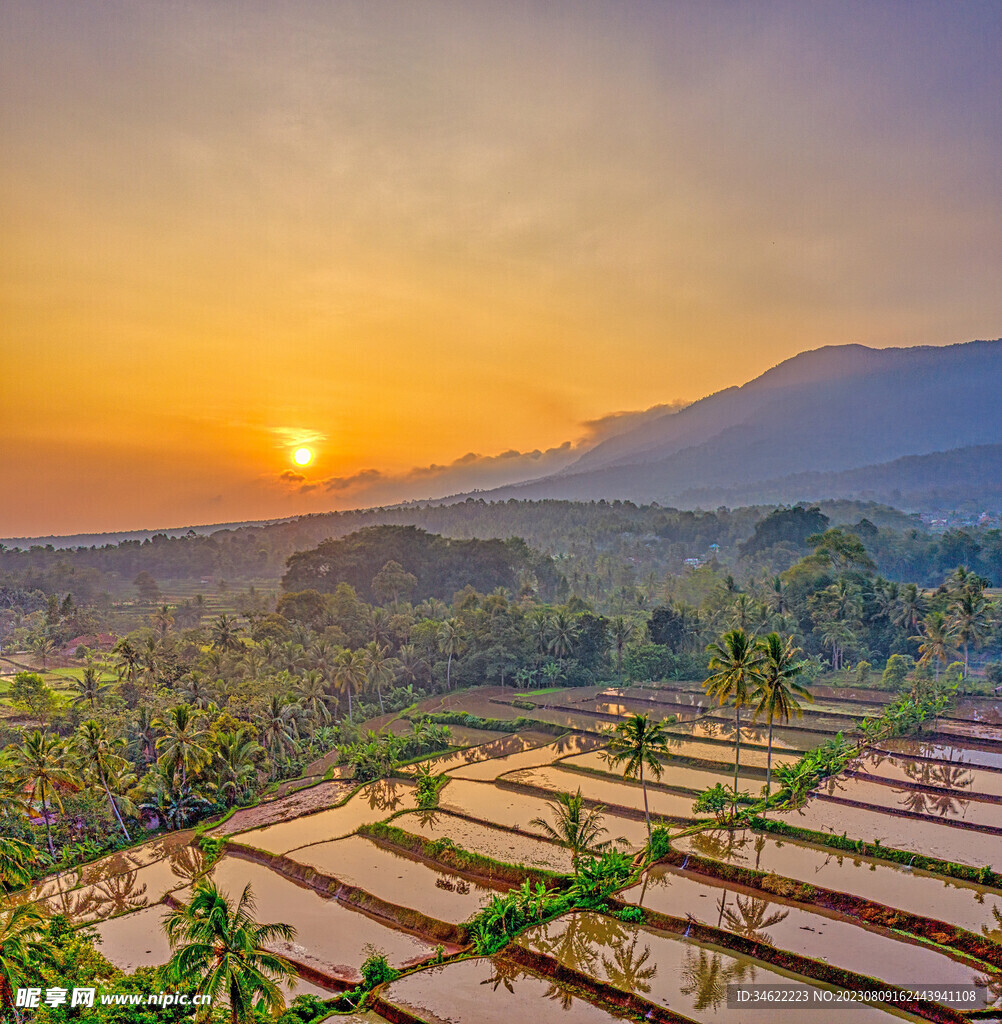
824	411
942	480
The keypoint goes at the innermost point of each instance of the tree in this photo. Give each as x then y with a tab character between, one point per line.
146	588
969	621
224	948
97	755
619	635
225	633
43	764
182	747
88	687
575	826
28	691
776	692
349	674
393	582
279	727
235	759
379	669
638	742
936	640
452	644
21	928
735	664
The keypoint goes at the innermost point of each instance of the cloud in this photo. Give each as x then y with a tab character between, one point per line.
473	471
348	483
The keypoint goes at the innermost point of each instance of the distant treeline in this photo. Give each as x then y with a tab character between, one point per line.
596	546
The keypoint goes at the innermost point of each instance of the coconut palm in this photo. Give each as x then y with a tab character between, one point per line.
225	633
223	947
776	692
97	754
314	697
936	641
452	644
349	674
735	664
43	765
16	859
564	633
21	928
575	826
637	741
379	669
183	745
88	687
969	621
279	727
620	631
235	759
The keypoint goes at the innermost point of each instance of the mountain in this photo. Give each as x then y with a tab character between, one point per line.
825	412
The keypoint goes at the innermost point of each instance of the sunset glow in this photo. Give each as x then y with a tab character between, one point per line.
455	238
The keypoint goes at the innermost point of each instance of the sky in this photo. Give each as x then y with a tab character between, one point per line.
442	244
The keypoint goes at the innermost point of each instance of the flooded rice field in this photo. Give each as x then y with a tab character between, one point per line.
987	710
682	776
489	991
778	924
687	976
929	837
137	939
917	892
508	809
125	880
713	728
371	803
970	782
941	803
329	937
722	753
971	730
494	747
605	791
304	801
488	770
395	878
953	753
497	843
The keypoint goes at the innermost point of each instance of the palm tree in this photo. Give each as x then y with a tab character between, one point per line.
16	859
638	741
21	928
88	687
182	747
936	640
349	674
734	665
279	728
452	644
379	669
777	690
224	948
97	755
412	665
969	621
314	697
235	761
577	827
563	635
225	633
620	632
42	763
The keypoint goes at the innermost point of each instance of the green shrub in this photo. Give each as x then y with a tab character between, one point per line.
633	915
376	970
660	844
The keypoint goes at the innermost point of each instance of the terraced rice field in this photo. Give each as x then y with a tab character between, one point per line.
690	978
395	878
816	935
310	836
930	837
917	892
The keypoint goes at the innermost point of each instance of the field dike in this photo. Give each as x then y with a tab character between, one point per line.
900	812
596	991
965	945
880	780
635	814
354	897
474	866
794	963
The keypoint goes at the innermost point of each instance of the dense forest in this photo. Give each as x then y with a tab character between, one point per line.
596	547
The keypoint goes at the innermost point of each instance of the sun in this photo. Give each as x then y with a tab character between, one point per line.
302	456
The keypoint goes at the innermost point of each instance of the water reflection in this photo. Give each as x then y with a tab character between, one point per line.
706	975
750	917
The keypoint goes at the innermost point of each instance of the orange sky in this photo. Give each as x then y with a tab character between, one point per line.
403	233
